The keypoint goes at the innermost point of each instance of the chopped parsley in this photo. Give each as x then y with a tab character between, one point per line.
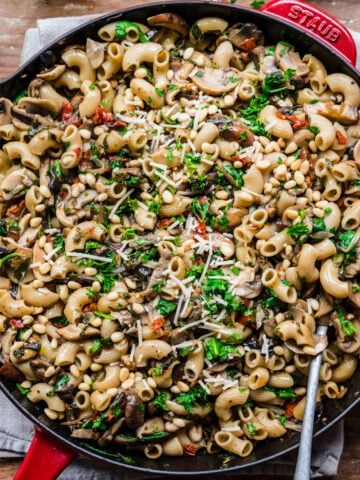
164	307
192	398
62	381
200	209
121	29
160	401
236	173
215	349
347	326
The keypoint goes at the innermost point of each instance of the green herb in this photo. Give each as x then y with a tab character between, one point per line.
327	211
8	257
100	343
3	232
314	130
251	114
159	91
131	181
314	100
274	82
285	282
282	392
270	52
104	315
154	206
195	271
234	80
200	209
20	95
156	371
145	256
347	326
191	161
196	32
59	241
198	74
344	239
129	233
236	173
164	307
298	229
90	245
105	270
121	29
283	420
123	458
160	401
24	391
173	87
223	222
92	86
318	225
153	436
356	288
192	398
257	4
235	270
215	349
286	44
62	381
251	428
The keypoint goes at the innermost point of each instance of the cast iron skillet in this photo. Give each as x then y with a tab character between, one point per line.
311	31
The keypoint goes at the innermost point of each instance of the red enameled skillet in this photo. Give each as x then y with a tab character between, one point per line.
311	31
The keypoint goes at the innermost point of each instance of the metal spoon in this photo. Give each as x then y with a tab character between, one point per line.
303	464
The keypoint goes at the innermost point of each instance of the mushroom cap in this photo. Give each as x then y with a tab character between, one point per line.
14	183
171	21
95	53
216	81
53	73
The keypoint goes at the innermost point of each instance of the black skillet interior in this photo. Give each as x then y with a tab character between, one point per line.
274	30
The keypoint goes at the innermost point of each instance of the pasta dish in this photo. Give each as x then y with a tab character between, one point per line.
180	208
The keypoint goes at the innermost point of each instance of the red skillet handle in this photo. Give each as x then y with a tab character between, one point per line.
45	459
316	22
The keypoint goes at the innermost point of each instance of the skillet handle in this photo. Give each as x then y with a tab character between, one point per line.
316	23
45	459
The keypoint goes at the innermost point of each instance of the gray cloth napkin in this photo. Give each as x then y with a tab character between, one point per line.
16	431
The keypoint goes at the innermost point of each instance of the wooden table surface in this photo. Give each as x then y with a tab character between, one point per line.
18	15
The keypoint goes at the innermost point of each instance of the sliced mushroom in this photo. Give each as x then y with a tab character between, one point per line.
265	63
39	367
216	81
85	434
134	412
40	106
5	111
241	33
153	425
232	131
170	21
288	58
343	113
109	435
78	332
13	185
53	73
95	53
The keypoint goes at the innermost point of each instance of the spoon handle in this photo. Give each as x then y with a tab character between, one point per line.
303	464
